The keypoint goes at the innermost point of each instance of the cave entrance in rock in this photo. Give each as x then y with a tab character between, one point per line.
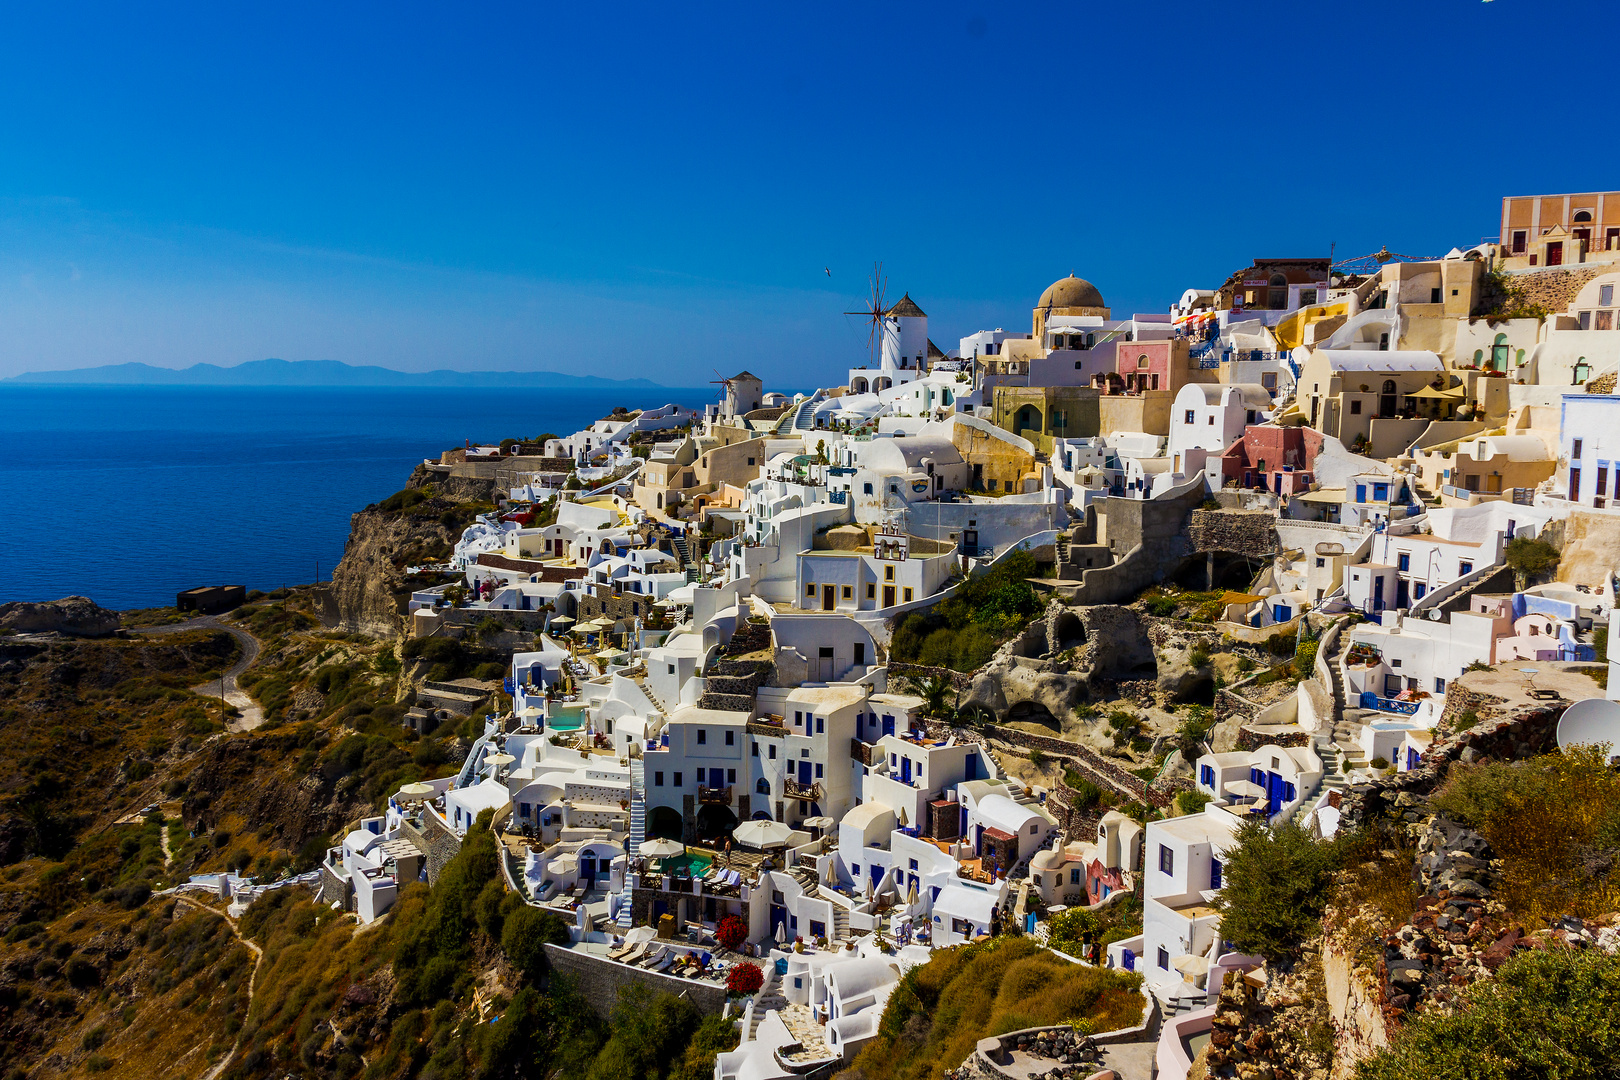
1218	570
1032	712
1070	632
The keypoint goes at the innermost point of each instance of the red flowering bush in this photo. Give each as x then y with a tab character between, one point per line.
744	979
731	932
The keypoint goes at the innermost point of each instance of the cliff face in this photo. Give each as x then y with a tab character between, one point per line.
369	589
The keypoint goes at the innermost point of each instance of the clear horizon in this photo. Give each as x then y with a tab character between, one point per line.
667	190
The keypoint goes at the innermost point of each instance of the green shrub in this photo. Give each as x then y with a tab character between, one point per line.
1275	885
1191	802
1546	1013
1379	763
1545	818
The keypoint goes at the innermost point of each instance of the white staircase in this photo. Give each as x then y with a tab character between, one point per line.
638	833
768	999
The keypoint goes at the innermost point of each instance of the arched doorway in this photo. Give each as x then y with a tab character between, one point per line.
715	820
1386	399
664	822
1028	418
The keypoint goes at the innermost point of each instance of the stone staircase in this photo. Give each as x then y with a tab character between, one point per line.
682	550
730	683
840	928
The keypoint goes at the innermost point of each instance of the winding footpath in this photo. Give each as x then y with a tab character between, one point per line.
251	715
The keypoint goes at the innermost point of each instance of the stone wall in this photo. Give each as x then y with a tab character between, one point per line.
599	981
1088	763
961	682
440	843
1241	532
1522	733
1249	739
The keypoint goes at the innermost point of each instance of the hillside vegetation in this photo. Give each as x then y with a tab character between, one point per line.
941	1009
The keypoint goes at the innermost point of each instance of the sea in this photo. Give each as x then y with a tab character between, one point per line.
129	495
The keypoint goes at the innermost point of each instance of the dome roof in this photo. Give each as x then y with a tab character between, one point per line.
1071	292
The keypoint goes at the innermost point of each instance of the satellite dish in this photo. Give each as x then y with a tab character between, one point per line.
1589	723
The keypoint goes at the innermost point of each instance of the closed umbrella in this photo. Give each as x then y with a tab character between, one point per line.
911	894
762	834
781	932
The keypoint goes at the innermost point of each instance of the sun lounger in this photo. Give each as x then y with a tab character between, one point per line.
621	952
654	956
637	954
668	959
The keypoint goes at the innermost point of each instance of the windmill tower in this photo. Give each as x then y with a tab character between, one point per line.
896	338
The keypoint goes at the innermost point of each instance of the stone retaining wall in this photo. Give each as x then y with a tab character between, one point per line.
599	981
1242	532
960	682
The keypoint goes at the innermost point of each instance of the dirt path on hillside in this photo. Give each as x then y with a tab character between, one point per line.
253	979
251	715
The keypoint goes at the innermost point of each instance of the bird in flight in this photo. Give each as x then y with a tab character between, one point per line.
828	269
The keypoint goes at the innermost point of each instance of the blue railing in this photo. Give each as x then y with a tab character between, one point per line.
837	496
1370	700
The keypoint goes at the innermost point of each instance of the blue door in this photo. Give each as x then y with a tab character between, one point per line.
717	778
1378	594
1129	959
877	877
1274	793
905	770
804	773
971	767
888	725
779	916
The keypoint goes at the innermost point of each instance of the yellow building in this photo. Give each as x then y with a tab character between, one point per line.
1041	414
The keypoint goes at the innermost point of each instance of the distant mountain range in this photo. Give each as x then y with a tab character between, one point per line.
308	373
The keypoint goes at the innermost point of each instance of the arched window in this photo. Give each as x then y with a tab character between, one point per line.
1278	280
1277	294
1583	216
1583	370
763	787
1142	361
1389	386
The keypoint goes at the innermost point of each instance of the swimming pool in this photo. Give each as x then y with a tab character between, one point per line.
692	864
565	717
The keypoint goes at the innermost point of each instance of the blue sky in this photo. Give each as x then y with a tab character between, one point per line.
654	191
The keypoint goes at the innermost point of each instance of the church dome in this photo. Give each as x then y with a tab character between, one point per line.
1071	292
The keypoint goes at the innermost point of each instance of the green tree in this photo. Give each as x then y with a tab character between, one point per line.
524	937
1547	1015
648	1036
1530	558
936	690
1274	887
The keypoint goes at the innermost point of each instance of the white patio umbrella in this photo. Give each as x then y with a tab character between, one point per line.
662	849
1191	966
414	792
1245	787
563	864
762	834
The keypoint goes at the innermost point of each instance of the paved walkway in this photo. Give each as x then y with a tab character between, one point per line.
251	715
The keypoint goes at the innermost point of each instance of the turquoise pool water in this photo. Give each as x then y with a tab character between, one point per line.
565	717
692	864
